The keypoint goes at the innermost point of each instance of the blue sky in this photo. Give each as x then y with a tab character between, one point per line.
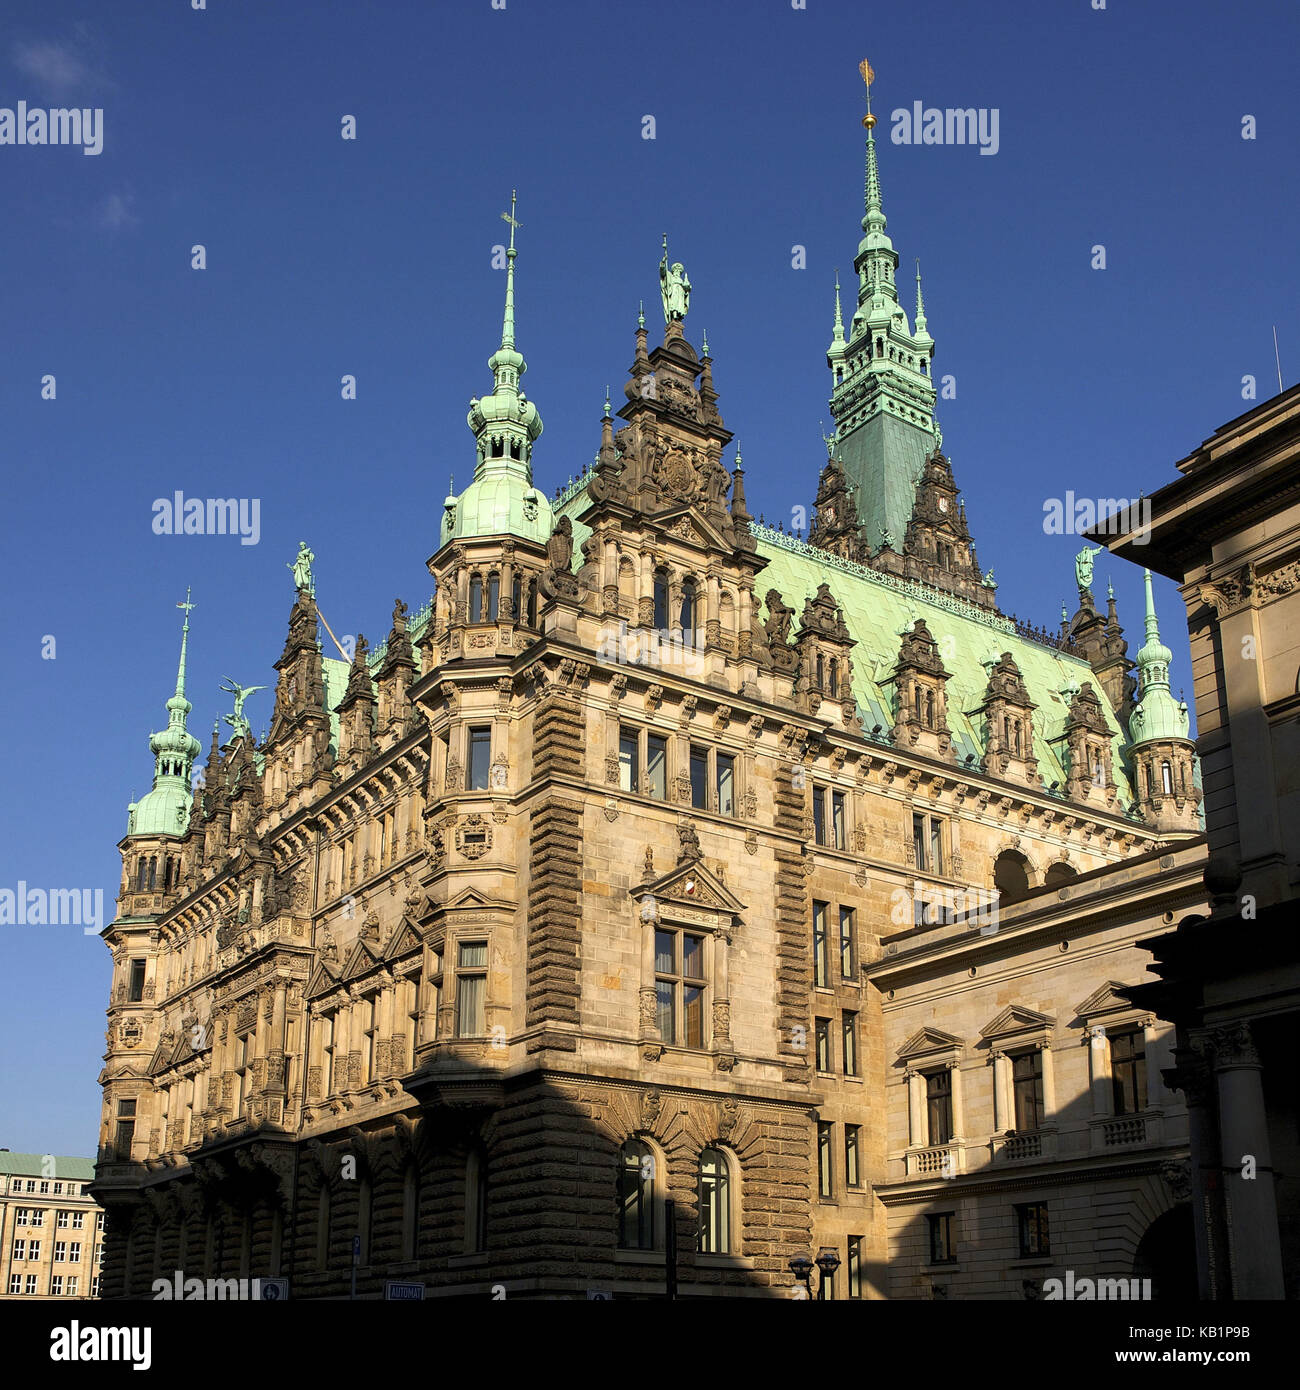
373	257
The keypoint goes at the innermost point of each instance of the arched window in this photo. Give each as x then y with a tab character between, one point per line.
660	600
1167	778
532	603
821	672
636	1196
411	1214
835	676
516	594
515	448
476	598
1011	875
688	606
714	1203
494	592
1059	873
153	873
476	1201
929	709
626	586
917	697
142	874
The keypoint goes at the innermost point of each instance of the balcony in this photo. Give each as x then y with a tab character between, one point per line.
942	1161
1127	1131
1023	1146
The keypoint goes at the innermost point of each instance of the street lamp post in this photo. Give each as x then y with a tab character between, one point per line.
827	1262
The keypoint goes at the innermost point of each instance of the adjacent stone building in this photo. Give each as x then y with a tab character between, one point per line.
51	1241
1228	531
620	896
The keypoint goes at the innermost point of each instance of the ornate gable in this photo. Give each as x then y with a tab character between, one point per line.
928	1042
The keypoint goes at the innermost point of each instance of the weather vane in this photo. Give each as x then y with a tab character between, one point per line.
868	76
510	217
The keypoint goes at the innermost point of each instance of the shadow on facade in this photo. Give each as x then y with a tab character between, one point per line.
491	1187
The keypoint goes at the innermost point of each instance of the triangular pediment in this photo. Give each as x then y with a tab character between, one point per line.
684	523
927	1040
472	898
1016	1018
404	940
363	957
1105	1000
323	979
691	885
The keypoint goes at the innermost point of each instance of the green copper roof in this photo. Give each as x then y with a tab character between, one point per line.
877	609
502	500
336	671
1157	714
35	1166
166	809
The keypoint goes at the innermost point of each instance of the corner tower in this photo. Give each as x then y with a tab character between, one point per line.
1160	744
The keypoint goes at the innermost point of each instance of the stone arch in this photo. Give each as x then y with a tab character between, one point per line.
1013	875
1166	1254
1059	873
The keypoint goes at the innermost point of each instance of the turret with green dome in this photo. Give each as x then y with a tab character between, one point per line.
165	810
1160	743
501	499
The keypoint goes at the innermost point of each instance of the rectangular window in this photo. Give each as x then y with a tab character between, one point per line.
99	1220
656	761
849	1033
31	1184
822	1032
72	1286
480	757
38	1216
680	986
726	784
125	1136
34	1250
45	1187
471	989
94	1287
629	761
20	1250
942	1251
825	1160
60	1251
56	1284
938	1104
61	1219
1031	1221
819	814
821	947
58	1189
30	1284
848	939
855	1267
839	837
852	1171
1128	1072
699	777
15	1283
74	1252
327	1052
20	1216
927	843
135	989
78	1220
1027	1083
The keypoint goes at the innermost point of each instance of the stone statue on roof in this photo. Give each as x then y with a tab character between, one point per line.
674	287
1083	562
238	724
301	567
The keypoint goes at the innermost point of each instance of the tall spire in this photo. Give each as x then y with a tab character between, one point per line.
1153	656
873	219
1157	715
919	321
165	810
501	498
836	349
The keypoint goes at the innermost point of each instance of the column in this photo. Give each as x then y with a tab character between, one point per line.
916	1127
1243	1135
1049	1084
958	1103
1099	1071
1003	1112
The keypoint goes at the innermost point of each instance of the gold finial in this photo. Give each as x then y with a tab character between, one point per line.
868	76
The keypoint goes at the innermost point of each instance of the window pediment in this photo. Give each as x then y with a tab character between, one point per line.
1017	1023
691	893
931	1045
